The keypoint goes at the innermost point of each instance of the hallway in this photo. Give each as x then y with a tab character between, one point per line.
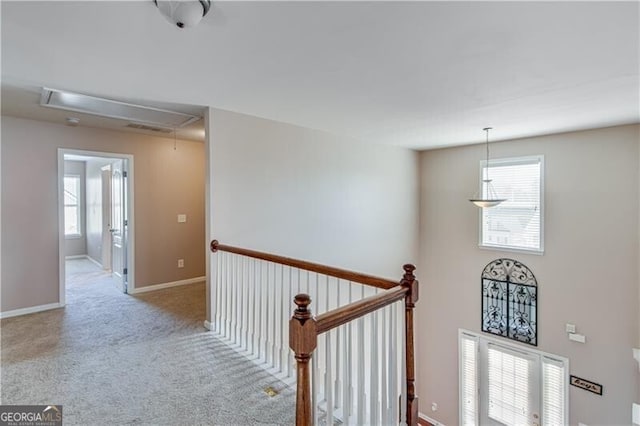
111	358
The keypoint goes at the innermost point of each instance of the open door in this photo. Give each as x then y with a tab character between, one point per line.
119	221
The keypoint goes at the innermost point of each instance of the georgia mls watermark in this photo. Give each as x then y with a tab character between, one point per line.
30	415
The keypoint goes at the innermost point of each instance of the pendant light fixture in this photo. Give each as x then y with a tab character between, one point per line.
486	196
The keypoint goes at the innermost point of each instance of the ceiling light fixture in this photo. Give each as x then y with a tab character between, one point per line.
486	196
183	13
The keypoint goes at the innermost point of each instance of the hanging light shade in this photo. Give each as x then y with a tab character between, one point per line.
183	13
486	197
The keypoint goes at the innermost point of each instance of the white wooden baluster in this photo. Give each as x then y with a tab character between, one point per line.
238	299
279	320
273	289
234	300
243	305
360	417
393	362
259	303
256	313
227	297
217	290
250	305
384	385
373	377
339	349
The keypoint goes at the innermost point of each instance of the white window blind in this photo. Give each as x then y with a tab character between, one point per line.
517	222
553	391
508	384
72	205
468	379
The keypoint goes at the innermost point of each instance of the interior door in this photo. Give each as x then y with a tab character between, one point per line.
509	386
118	233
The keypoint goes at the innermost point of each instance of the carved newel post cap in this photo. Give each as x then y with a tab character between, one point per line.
408	271
214	245
302	301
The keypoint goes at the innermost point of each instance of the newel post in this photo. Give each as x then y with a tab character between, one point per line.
409	280
303	339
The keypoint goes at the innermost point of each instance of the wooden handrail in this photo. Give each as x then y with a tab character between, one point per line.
309	266
344	314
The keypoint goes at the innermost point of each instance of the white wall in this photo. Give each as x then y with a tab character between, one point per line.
587	276
75	246
312	195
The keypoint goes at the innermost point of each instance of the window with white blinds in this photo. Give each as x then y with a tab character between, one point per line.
468	379
509	386
553	391
504	384
517	223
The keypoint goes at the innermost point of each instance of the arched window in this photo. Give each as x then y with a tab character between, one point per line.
510	301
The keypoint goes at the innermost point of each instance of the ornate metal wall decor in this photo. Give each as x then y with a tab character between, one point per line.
510	301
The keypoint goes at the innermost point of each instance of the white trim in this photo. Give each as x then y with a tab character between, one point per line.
91	259
208	325
30	310
430	420
76	256
130	205
83	256
167	285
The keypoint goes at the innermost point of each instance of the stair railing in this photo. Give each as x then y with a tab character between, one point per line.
358	377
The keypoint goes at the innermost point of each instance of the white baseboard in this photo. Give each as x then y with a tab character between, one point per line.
83	256
430	420
30	310
208	325
76	256
94	261
166	285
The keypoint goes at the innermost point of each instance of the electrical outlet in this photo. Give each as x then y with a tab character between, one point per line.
434	406
182	218
180	263
571	328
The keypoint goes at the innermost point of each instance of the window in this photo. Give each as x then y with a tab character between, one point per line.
72	224
516	223
503	384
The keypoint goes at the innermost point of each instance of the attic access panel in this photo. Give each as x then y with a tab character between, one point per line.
54	98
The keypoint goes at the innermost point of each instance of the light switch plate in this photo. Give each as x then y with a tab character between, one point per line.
635	416
182	218
571	328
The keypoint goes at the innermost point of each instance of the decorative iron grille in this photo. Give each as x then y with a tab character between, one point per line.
510	301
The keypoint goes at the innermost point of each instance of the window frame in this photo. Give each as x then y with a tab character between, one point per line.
78	205
482	340
529	159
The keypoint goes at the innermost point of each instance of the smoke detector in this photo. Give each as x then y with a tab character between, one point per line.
72	121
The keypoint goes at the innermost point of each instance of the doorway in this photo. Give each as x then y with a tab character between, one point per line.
96	222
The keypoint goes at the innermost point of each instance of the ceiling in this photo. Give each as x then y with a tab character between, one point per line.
414	74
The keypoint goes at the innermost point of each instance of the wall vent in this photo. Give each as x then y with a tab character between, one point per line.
145	127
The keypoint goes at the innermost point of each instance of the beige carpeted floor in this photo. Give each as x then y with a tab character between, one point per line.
111	359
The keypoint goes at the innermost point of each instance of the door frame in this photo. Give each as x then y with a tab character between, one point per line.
130	243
